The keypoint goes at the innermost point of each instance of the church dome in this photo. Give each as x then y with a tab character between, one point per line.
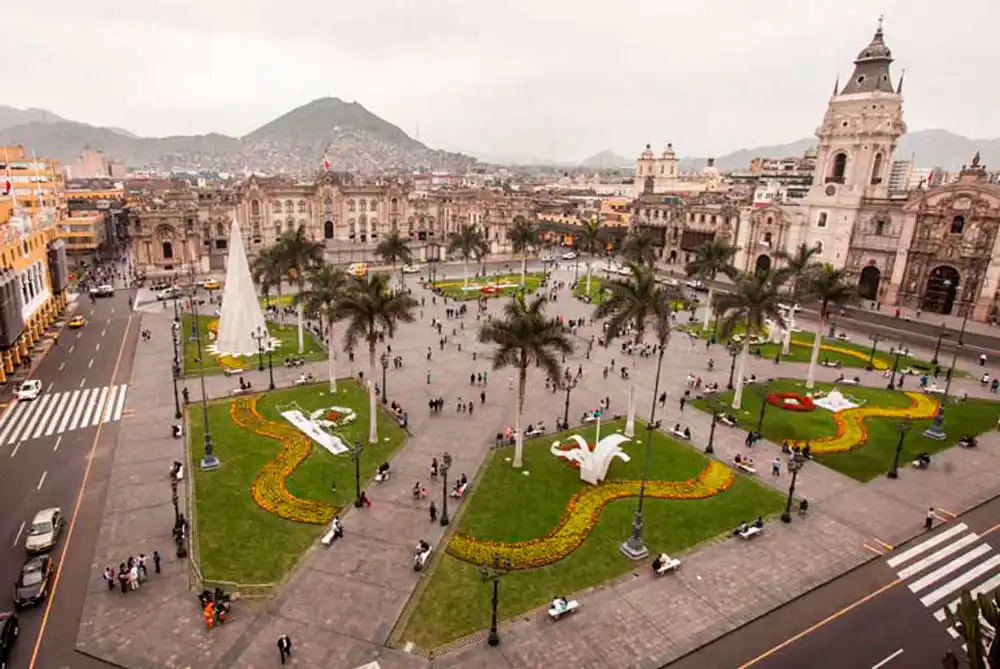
668	152
876	49
648	153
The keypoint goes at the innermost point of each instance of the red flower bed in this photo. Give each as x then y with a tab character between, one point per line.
791	401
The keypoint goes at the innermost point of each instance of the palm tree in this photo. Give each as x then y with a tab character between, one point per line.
590	239
526	336
640	247
967	619
268	272
395	248
640	301
326	289
298	255
831	287
468	242
800	264
753	300
524	238
710	259
369	308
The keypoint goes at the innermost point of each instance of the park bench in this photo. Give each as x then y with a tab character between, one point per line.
849	382
751	532
557	613
420	560
678	434
537	432
458	493
239	391
744	467
670	564
728	420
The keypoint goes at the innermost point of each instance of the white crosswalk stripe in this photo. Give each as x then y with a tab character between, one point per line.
56	413
940	566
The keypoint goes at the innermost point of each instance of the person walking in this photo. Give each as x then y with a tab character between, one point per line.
683	402
776	468
156	561
284	647
929	519
365	502
109	576
433	510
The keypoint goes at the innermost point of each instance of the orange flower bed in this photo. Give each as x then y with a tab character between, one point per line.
581	516
268	489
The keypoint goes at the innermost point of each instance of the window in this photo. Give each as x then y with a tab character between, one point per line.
819	248
220	230
363	205
350	206
877	170
838	168
276	207
957	225
373	205
821	222
277	230
302	206
767	238
880	227
168	251
255	207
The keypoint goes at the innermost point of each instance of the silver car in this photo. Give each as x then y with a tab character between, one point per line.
44	531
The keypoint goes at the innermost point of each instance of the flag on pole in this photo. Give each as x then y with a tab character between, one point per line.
8	181
326	162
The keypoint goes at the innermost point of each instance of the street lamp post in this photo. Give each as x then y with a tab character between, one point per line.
937	346
444	467
897	354
794	466
496	570
711	431
732	366
357	450
569	384
177	400
936	431
871	356
903	426
260	335
209	461
385	367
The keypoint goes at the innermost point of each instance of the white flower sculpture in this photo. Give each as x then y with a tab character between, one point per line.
593	464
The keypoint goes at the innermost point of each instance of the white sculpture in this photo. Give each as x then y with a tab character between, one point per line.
241	315
775	335
834	402
593	464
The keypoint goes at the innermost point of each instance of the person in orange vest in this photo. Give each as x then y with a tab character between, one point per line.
209	615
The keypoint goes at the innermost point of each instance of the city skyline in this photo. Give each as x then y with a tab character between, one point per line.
500	83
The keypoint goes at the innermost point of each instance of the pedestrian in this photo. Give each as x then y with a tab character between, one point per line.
510	383
123	578
156	561
428	376
133	577
663	399
485	377
683	402
141	564
776	468
365	502
929	519
982	359
433	510
109	576
471	406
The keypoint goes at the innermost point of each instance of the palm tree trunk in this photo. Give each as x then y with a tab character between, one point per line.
740	369
402	278
281	306
524	269
590	267
522	379
708	311
300	316
372	404
465	265
786	344
814	358
331	361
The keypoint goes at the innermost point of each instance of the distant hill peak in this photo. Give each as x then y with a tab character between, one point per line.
606	159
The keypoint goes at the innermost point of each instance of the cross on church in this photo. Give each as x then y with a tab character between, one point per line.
881	18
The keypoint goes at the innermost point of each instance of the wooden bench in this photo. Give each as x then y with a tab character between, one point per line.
330	536
726	420
849	382
751	532
670	564
571	606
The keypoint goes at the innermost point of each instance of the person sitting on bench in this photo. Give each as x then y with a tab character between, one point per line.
657	563
968	441
338	528
687	433
383	473
759	523
923	461
807	451
741	528
559	604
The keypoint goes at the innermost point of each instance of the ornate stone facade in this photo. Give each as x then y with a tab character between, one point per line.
681	224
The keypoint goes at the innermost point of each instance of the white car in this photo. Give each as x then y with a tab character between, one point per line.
671	282
410	269
29	390
547	258
44	530
694	284
168	293
569	256
794	307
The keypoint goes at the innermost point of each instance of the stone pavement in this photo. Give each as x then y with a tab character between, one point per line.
340	604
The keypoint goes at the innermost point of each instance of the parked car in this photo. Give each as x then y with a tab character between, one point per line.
548	257
29	390
794	307
169	293
671	282
9	631
44	531
32	585
211	284
104	290
410	269
569	256
160	285
77	322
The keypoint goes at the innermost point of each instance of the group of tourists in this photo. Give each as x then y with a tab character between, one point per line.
132	573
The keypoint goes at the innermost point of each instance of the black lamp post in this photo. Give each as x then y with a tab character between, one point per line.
794	466
937	346
903	426
260	335
444	467
357	450
209	461
569	384
177	399
871	356
385	367
711	431
733	350
496	570
897	354
762	391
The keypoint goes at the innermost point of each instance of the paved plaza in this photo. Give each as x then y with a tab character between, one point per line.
340	605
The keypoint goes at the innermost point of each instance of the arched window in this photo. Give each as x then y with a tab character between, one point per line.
255	207
877	170
350	206
277	230
838	168
220	230
288	207
276	207
168	251
767	238
880	227
957	225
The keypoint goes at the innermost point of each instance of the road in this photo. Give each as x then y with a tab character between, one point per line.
889	611
45	447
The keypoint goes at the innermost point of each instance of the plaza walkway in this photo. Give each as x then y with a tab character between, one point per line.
340	604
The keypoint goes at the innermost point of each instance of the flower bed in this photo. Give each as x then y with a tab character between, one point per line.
268	489
581	515
851	430
791	401
876	363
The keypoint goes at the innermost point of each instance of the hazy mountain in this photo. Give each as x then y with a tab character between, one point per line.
353	138
11	116
606	160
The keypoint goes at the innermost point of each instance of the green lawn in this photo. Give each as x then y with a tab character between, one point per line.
237	540
288	335
286	300
597	294
454	288
973	416
456	602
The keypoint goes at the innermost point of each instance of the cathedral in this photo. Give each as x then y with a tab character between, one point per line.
928	249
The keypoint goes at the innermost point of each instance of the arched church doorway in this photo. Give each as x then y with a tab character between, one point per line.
168	251
868	283
941	290
673	256
328	230
763	264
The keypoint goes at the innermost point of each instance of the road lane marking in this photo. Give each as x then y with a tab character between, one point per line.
62	365
104	331
43	410
946	512
99	409
45	418
888	659
925	546
71	348
69	411
41	481
20	531
5	421
121	405
76	513
89	365
98	346
936	557
58	441
79	334
90	408
881	543
941	572
14	452
79	409
873	549
964	579
28	413
83	382
58	413
110	406
49	389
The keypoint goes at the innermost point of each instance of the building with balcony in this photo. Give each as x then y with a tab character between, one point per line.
36	182
680	224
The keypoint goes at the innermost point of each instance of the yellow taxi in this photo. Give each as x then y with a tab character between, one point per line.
77	322
358	269
212	285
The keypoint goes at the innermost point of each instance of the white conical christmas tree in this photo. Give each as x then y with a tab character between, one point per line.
241	314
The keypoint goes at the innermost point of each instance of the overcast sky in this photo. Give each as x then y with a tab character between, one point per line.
558	79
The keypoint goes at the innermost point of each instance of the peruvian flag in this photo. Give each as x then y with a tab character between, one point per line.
326	162
8	186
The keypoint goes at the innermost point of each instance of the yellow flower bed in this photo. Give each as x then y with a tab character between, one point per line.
876	363
851	430
268	490
581	515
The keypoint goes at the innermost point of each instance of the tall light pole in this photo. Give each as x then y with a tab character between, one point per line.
937	345
259	335
385	366
209	461
492	573
569	384
936	430
710	448
903	426
876	338
443	468
899	352
733	350
794	466
357	450
762	391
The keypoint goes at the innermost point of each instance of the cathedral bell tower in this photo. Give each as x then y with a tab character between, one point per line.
863	121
